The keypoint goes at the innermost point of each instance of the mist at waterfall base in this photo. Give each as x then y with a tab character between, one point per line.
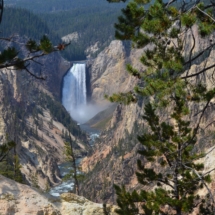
74	95
74	99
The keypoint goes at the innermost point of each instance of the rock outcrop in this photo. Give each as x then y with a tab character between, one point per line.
19	199
108	72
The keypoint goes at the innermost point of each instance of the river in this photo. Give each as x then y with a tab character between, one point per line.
67	186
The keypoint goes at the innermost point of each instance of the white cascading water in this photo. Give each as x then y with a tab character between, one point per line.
74	99
74	95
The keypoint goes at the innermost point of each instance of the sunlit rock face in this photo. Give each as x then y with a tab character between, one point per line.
20	199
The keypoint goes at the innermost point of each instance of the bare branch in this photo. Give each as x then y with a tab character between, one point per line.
198	73
37	62
166	183
32	74
200	53
209	124
202	180
205	13
191	51
209	172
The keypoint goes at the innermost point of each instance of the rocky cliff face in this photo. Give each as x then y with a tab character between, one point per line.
20	199
115	155
114	158
108	74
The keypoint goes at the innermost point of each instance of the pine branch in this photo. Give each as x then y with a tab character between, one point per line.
203	182
206	173
166	183
191	51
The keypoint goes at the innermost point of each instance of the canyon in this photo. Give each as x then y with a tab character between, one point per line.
113	161
28	116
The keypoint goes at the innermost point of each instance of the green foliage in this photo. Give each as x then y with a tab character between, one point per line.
106	210
25	23
5	148
9	162
34	180
126	201
178	169
55	6
161	29
188	19
68	151
8	55
18	175
46	45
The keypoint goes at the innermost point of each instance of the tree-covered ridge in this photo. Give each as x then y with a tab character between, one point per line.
84	21
63	5
92	20
25	23
90	25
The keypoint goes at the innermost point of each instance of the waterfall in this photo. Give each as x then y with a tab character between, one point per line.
74	94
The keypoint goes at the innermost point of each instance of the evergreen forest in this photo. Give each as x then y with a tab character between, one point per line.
93	21
56	5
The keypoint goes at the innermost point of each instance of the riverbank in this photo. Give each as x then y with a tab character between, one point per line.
65	168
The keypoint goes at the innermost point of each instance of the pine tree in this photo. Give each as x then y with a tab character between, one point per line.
161	30
70	156
168	81
171	147
9	162
34	180
17	173
5	149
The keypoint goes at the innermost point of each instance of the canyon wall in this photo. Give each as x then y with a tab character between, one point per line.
115	155
108	73
32	116
114	158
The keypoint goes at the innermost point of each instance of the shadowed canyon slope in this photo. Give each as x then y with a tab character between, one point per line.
32	116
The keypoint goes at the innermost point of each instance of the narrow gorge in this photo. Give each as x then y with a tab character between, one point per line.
105	126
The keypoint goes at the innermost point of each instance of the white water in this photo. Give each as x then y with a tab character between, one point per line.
74	96
65	186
